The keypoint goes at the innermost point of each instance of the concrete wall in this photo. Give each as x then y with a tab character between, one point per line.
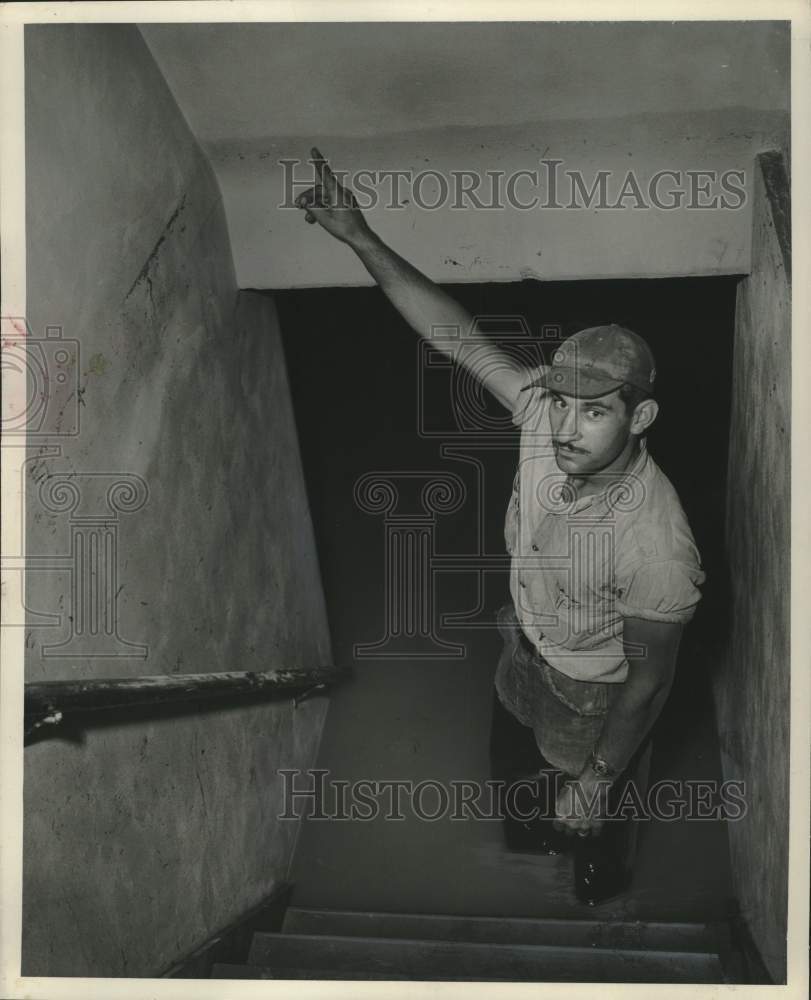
752	686
143	838
508	244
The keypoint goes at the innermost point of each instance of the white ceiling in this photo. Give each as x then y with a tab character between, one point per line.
238	82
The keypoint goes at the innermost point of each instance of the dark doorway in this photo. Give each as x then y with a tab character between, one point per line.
353	368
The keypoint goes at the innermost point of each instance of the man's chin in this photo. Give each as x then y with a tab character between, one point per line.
567	461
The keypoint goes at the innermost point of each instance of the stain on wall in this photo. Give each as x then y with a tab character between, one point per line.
141	839
752	687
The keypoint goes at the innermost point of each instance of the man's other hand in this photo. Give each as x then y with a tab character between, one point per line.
581	807
331	205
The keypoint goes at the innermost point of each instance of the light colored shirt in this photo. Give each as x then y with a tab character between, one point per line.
580	566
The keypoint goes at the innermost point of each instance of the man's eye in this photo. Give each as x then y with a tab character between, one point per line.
595	413
560	403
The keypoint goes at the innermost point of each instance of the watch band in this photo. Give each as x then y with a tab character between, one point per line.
601	767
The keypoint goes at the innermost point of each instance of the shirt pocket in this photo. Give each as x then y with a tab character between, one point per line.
564	600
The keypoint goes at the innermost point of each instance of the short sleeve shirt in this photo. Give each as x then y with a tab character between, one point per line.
580	566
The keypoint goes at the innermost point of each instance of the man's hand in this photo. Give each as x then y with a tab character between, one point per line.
582	807
331	205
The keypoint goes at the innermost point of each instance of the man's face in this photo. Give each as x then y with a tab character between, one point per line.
588	434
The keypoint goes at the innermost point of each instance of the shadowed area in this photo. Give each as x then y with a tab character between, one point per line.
353	372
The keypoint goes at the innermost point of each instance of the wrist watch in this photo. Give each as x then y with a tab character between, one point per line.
601	767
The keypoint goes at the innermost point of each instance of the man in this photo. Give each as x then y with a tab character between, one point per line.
604	571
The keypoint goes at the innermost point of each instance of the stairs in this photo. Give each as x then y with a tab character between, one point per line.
336	944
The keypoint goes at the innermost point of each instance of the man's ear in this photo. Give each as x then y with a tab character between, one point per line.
644	415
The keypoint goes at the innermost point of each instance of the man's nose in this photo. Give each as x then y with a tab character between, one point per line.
569	429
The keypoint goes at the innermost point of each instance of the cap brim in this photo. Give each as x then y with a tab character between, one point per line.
572	382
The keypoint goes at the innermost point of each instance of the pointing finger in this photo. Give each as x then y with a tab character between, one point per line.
318	162
329	184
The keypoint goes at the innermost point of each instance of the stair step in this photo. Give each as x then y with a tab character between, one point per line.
333	956
632	935
224	971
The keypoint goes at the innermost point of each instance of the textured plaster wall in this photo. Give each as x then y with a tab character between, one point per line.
752	687
142	838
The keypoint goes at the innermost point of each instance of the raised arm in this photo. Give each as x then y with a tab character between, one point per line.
421	302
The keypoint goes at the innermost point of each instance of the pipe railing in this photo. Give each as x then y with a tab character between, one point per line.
50	703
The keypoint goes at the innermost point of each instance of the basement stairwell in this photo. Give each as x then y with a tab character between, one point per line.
335	944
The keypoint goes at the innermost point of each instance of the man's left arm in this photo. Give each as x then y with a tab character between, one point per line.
651	648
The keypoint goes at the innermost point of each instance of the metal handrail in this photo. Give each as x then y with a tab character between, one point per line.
50	703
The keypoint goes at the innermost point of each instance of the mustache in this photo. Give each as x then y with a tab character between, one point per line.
569	447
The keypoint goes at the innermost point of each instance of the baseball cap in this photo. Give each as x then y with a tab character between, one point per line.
599	360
